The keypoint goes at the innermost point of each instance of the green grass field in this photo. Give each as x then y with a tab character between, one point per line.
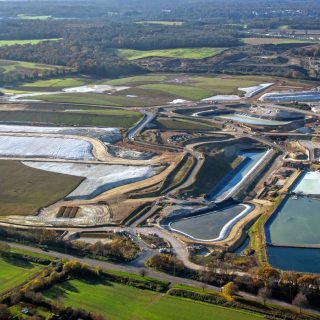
200	87
116	301
183	91
183	53
74	117
7	66
260	41
136	80
33	17
59	82
94	99
163	22
24	190
21	42
14	272
183	124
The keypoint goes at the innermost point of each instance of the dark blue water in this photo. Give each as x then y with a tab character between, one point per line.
295	259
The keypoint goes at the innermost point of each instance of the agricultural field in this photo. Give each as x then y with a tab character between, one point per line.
183	124
116	301
18	198
22	42
59	83
8	66
260	41
93	99
164	23
14	272
73	117
181	53
33	17
152	78
137	91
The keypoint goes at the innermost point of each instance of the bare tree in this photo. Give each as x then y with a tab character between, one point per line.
300	300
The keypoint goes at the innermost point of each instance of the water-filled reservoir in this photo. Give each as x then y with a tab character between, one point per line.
295	259
252	120
296	223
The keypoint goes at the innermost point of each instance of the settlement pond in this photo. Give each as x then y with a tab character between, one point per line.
293	231
212	226
247	119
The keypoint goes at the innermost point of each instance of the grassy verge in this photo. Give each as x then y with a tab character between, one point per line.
257	235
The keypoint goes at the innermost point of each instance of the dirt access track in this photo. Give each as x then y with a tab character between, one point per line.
99	151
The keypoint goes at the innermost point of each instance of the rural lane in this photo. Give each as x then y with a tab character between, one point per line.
150	273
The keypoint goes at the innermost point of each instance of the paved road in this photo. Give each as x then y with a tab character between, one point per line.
148	116
154	274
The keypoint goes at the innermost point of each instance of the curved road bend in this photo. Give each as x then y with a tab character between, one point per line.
148	117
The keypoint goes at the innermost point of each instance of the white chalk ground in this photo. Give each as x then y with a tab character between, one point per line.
310	183
89	215
254	90
123	153
83	89
45	147
99	178
107	135
19	97
249	92
178	101
230	97
95	89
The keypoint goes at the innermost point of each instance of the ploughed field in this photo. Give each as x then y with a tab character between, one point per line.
117	301
24	190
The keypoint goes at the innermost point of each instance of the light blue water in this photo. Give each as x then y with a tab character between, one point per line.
252	120
295	223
